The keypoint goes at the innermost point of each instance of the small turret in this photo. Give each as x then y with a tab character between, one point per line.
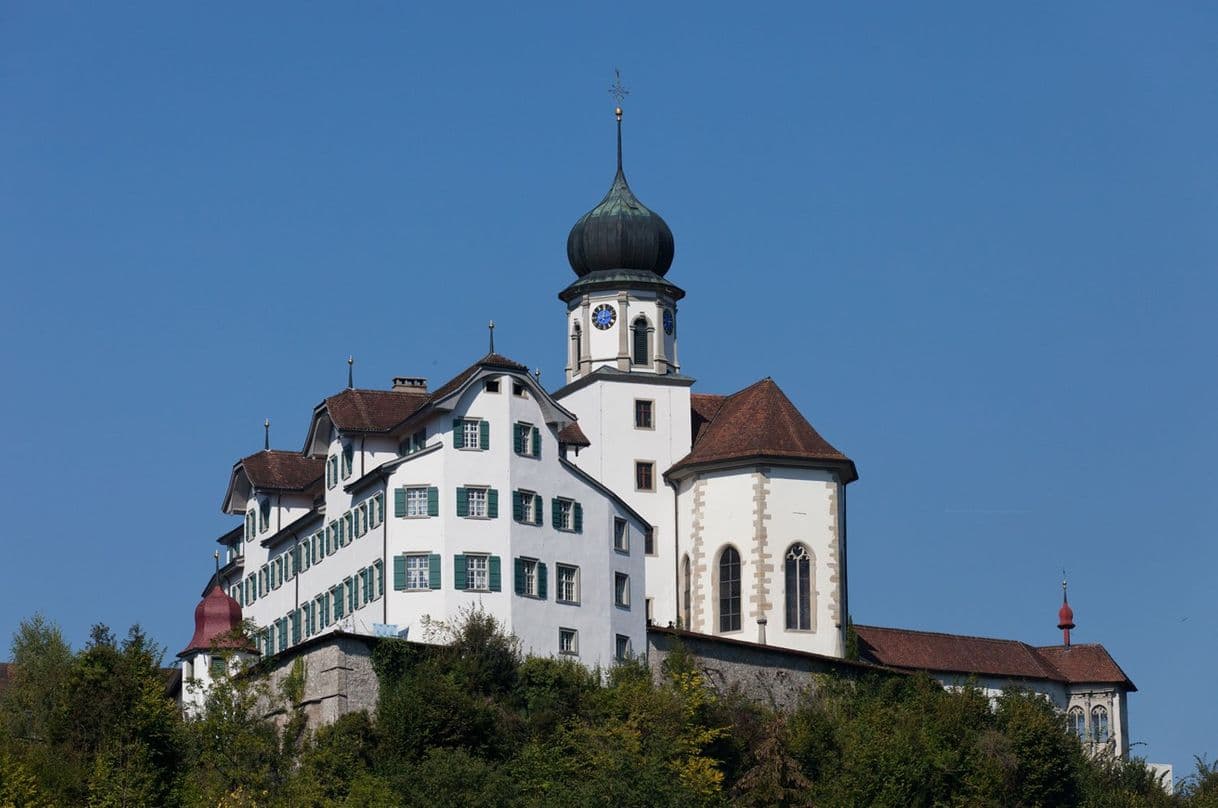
1065	617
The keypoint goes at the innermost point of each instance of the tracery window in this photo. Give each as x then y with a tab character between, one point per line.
729	590
1099	724
1077	722
799	588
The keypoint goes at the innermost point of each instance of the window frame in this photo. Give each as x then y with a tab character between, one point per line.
729	603
566	523
414	489
530	570
476	425
621	590
796	601
572	644
485	559
425	571
623	648
559	570
650	466
621	535
651	414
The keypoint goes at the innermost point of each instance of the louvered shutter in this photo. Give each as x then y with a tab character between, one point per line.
433	570
536	442
484	434
518	565
399	502
295	627
492	503
541	580
538	503
496	574
459	572
458	433
433	501
518	506
348	455
399	573
555	513
462	502
517	438
578	516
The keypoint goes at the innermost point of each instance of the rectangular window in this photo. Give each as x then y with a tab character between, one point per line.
621	535
643	414
418	571
563	512
621	590
568	641
469	432
518	389
347	531
348	458
528	577
319	546
477	573
416	502
477	500
644	475
376	511
622	648
568	583
332	471
378	570
361	519
491	385
649	541
647	609
418	440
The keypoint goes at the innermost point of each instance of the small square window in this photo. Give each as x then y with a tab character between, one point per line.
644	475
621	590
417	571
622	649
518	389
643	414
621	535
568	584
492	385
568	641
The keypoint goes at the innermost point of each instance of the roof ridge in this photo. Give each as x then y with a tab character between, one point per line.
947	634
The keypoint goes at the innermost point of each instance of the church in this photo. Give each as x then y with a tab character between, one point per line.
587	518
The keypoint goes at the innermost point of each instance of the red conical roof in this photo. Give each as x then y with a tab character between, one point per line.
216	617
1065	616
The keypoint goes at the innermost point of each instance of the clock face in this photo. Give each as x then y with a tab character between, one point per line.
668	321
604	316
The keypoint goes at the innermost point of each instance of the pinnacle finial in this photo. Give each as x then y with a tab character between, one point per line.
216	555
266	434
491	327
619	93
350	372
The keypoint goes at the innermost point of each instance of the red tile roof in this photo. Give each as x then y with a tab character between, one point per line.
373	410
490	360
985	656
572	435
757	422
278	470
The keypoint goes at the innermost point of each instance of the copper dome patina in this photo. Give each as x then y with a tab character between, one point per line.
620	232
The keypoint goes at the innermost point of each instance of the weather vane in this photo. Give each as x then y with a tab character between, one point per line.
618	90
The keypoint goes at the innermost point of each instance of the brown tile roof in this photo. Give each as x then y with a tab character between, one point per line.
278	470
985	656
373	410
572	435
490	360
1090	662
758	421
236	534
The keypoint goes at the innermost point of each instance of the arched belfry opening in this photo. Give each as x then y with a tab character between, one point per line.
640	341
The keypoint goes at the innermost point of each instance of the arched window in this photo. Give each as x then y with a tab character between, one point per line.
729	590
576	346
1099	724
1077	722
686	595
799	588
641	354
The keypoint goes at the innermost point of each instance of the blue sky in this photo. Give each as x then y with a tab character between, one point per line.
975	245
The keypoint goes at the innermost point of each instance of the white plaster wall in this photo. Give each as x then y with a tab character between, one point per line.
606	415
605	347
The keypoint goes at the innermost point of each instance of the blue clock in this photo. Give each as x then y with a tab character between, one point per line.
604	316
668	321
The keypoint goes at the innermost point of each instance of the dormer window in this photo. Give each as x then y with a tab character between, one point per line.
491	385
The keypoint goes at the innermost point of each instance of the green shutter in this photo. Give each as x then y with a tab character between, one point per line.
541	580
538	503
459	572
518	438
458	433
578	517
536	442
348	454
462	502
495	574
433	571
399	572
433	501
518	564
295	627
518	506
337	595
349	585
484	434
555	513
492	503
399	502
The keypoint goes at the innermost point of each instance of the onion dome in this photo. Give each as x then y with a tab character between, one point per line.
620	232
217	617
1065	617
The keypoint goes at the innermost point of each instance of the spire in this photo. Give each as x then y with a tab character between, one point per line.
266	435
619	93
491	328
1065	615
350	372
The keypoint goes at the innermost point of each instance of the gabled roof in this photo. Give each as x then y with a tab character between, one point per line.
757	422
986	656
277	470
355	410
491	360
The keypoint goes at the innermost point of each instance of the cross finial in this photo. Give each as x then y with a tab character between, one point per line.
618	91
266	434
350	372
491	327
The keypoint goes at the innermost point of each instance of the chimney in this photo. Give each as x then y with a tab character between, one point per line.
410	384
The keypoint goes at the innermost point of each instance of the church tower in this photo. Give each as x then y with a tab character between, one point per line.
623	373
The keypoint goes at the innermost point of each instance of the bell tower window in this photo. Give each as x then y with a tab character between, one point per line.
641	342
576	346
